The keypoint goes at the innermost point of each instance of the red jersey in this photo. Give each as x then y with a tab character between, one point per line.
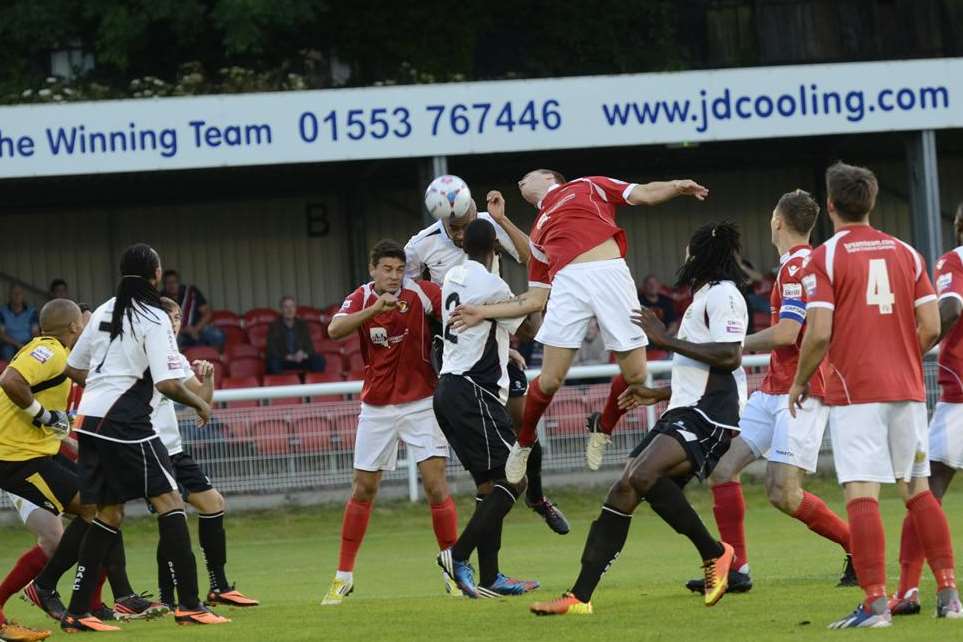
572	219
873	282
396	345
788	301
949	283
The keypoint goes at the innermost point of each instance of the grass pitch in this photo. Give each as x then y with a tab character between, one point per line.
288	558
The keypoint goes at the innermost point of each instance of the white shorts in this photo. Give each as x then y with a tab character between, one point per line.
770	430
880	442
946	434
380	428
600	289
22	506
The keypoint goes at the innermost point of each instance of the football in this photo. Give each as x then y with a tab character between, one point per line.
447	197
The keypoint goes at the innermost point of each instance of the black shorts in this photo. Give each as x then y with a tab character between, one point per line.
704	442
476	425
43	481
190	478
517	381
114	472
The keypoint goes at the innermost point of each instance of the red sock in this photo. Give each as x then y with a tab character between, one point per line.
444	519
355	524
729	508
97	600
536	402
868	545
934	535
612	413
911	557
814	513
24	570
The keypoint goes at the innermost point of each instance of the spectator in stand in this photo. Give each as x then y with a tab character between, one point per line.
289	345
197	329
754	280
18	323
650	296
59	290
593	350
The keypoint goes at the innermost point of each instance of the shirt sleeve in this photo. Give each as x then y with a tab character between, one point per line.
612	189
538	271
728	318
163	358
414	264
949	277
82	351
815	282
353	303
502	292
792	292
433	292
39	364
506	242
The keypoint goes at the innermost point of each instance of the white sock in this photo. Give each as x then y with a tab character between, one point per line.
344	576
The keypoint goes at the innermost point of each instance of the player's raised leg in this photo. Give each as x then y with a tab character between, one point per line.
632	363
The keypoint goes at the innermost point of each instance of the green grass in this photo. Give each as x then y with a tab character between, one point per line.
288	558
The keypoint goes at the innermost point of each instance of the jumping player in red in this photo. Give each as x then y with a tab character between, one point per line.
578	252
872	309
946	435
389	313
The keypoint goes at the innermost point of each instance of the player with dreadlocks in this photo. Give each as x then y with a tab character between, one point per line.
126	351
708	387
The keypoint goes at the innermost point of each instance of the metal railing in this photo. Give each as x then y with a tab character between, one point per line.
303	439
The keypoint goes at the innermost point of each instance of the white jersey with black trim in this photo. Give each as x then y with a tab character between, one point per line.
122	373
164	417
480	353
717	314
434	249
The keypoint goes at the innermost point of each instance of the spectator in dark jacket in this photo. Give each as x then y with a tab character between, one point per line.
197	329
651	297
289	345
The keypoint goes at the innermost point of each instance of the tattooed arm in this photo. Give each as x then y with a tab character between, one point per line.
467	316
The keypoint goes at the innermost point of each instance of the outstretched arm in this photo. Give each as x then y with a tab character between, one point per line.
661	191
496	207
467	316
782	334
718	354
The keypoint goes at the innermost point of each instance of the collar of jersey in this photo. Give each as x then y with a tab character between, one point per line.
551	187
792	252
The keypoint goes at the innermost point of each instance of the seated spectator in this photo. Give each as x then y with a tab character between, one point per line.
197	329
58	290
753	280
593	350
289	345
651	297
19	323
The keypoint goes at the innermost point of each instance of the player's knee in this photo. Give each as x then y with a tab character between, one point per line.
114	515
436	492
550	382
642	479
634	376
209	502
622	494
364	491
781	494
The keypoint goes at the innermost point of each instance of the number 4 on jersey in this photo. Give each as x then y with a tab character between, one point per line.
878	292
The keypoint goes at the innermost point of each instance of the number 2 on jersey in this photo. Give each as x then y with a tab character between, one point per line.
451	303
878	292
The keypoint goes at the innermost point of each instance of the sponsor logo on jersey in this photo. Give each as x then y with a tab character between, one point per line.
403	306
793	269
943	282
734	327
173	363
379	336
791	291
42	354
809	282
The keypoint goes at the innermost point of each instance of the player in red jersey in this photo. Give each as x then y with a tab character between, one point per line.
872	314
578	252
790	444
390	314
946	435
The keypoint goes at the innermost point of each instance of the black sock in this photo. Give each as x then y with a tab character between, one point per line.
533	471
488	548
493	509
116	566
65	556
165	578
210	529
603	546
669	503
175	545
98	541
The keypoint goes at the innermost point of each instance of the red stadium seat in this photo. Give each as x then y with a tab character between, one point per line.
761	320
233	335
327	345
333	362
343	424
566	416
311	431
241	382
353	361
219	372
329	376
308	313
260	316
257	335
204	353
654	354
354	375
332	309
286	379
317	331
351	343
271	436
246	367
225	318
241	350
